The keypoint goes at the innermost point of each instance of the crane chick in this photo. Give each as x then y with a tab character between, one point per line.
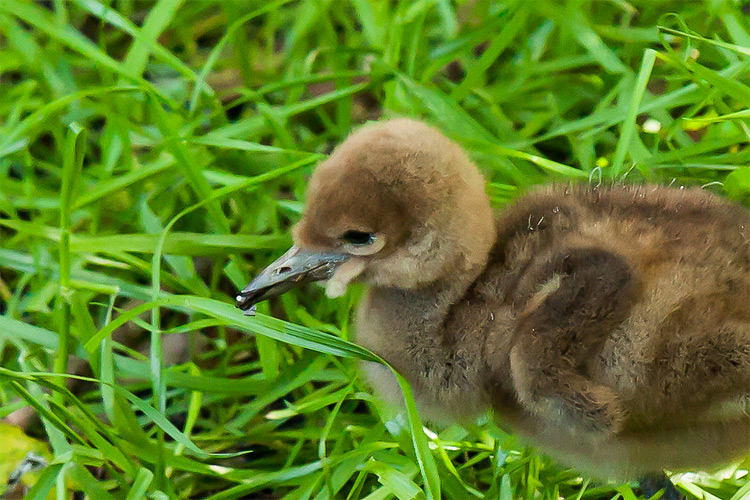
611	325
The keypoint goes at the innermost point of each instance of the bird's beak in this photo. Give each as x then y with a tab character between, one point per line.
295	267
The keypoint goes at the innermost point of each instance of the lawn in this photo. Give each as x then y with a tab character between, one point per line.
153	156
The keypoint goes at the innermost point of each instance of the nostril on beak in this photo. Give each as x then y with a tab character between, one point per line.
283	270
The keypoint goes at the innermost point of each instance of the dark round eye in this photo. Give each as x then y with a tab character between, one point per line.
358	237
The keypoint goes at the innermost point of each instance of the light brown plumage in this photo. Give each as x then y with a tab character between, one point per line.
611	325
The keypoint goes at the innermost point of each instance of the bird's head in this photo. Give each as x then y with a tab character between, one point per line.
396	205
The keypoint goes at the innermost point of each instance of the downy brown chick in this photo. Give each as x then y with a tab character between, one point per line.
609	325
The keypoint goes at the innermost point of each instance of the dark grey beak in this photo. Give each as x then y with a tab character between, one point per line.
295	267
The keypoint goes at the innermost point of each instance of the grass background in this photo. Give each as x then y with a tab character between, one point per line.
154	154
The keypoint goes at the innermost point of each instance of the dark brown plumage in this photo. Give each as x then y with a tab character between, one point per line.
610	325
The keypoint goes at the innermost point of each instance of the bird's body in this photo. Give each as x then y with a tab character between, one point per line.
641	295
609	325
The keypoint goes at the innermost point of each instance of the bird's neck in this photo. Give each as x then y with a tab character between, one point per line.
391	320
415	330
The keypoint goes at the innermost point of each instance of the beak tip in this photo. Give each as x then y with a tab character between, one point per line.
243	305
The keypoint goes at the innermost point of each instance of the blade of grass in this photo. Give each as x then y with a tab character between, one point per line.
427	465
73	154
43	485
627	133
158	18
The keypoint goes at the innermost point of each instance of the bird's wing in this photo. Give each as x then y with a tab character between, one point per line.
583	293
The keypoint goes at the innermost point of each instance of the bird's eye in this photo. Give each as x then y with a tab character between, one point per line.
359	238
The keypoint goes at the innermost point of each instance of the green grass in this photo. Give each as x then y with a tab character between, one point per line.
153	156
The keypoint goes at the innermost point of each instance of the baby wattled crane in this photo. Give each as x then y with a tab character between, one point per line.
611	325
